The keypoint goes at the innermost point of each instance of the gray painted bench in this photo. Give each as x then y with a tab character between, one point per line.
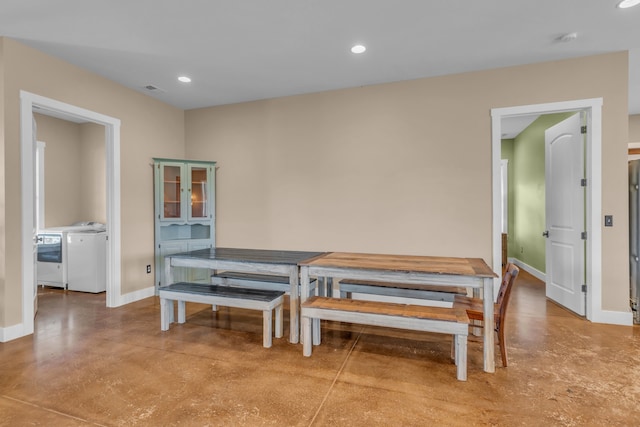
426	292
403	316
252	280
253	299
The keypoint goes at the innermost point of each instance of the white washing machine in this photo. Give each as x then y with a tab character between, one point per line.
87	261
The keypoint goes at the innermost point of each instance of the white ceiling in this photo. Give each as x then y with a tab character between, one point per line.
243	50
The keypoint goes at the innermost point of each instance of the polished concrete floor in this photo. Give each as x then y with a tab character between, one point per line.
89	365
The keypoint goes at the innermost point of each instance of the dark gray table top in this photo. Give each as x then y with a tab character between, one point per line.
266	256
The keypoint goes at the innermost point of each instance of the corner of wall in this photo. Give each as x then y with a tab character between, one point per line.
2	191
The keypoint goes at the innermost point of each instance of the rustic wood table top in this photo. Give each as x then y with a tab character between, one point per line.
404	263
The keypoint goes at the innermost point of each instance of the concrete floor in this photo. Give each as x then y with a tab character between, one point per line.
89	365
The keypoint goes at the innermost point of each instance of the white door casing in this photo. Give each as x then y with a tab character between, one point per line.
593	153
29	101
34	220
564	214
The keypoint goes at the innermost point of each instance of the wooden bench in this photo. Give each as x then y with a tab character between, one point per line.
403	316
427	292
253	299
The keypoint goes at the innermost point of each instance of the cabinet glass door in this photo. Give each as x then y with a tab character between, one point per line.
171	191
199	191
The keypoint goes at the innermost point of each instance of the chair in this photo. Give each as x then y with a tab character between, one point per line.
475	309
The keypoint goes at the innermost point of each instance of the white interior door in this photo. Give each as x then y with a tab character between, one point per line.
565	215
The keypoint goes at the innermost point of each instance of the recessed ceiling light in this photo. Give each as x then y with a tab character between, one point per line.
184	79
628	3
358	48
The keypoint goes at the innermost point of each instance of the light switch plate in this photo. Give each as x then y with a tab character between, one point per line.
608	220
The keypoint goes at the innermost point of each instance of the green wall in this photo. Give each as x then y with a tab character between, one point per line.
507	148
527	191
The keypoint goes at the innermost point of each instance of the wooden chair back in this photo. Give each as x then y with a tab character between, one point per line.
508	279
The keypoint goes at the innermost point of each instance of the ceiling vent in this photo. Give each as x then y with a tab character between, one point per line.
152	88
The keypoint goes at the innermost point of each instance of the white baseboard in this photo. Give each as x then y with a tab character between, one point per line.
135	296
11	332
622	318
531	270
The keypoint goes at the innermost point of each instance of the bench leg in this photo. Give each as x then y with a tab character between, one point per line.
279	321
182	312
166	309
461	357
306	336
316	331
266	328
344	294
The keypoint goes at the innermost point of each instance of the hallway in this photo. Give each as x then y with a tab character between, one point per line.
89	365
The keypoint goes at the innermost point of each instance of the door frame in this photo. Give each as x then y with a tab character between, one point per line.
593	153
112	147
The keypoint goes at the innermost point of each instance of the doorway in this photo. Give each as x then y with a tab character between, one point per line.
593	109
29	103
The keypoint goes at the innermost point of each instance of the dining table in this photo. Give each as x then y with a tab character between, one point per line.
257	261
416	270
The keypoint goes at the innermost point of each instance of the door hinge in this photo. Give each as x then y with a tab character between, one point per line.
583	129
583	182
583	235
584	288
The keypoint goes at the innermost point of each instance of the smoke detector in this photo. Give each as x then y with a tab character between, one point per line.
154	88
566	38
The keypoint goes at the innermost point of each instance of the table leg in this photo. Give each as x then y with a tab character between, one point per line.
305	336
489	348
294	305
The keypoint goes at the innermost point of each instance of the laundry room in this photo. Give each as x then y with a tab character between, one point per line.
70	204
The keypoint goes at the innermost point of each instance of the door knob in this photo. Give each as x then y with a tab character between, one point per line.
546	233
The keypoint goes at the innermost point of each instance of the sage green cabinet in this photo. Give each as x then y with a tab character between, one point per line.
184	212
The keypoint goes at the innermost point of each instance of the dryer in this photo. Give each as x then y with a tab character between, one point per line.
87	261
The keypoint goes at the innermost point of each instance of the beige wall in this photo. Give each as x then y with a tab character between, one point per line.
75	184
3	228
61	169
93	186
634	128
402	167
148	128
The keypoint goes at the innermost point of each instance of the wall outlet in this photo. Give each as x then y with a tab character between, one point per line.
148	268
608	220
